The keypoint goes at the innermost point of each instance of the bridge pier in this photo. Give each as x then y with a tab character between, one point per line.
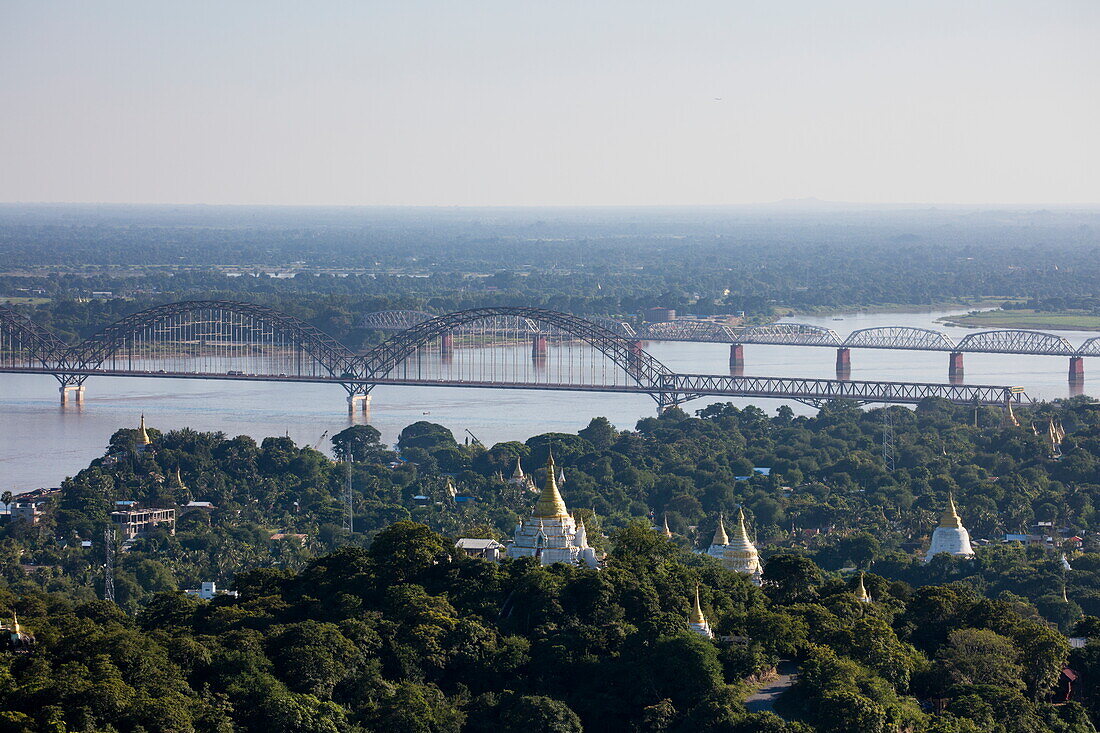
77	391
955	367
1076	368
843	363
737	356
363	400
539	348
447	344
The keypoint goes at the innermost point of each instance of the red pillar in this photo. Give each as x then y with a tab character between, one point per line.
843	359
1076	368
737	355
447	343
538	347
955	364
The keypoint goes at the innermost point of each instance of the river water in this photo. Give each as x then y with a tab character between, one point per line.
41	442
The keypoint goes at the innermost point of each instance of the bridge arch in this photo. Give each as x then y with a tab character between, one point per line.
1013	341
899	337
1091	347
396	320
218	323
626	354
23	342
790	333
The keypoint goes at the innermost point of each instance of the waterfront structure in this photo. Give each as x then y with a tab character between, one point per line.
551	534
698	622
861	591
741	555
720	541
133	523
951	536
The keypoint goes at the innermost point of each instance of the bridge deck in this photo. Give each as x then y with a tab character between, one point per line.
682	387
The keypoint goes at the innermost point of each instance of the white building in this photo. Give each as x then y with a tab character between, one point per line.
485	549
951	536
551	534
208	590
520	479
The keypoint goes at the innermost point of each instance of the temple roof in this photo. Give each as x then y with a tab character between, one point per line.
950	517
720	537
550	504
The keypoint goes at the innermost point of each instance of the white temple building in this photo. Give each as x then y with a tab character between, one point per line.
698	622
740	555
551	534
951	536
519	478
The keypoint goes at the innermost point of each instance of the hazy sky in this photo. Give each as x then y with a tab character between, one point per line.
554	102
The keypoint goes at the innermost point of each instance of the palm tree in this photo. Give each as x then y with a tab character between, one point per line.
7	497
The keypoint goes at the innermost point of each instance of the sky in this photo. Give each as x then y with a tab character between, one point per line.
515	103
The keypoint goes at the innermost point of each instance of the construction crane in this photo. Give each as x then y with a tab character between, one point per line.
476	439
318	443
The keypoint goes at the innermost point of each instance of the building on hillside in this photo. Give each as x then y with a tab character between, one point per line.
741	555
551	534
698	622
485	549
133	523
25	511
720	541
208	589
951	536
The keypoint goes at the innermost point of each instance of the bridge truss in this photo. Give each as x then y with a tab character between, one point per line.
508	347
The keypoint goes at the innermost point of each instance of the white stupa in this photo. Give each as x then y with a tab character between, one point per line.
720	542
951	536
741	555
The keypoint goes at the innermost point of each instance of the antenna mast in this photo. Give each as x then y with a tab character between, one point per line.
349	499
109	564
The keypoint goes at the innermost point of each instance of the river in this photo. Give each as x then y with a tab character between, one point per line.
42	442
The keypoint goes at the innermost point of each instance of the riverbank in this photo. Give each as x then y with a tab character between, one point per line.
1026	319
970	304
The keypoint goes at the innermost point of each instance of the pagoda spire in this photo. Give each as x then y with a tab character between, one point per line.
720	536
550	504
950	518
664	526
861	591
143	434
697	622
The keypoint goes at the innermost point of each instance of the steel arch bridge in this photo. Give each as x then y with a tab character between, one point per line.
506	348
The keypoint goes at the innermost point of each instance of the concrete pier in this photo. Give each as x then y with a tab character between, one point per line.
75	392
